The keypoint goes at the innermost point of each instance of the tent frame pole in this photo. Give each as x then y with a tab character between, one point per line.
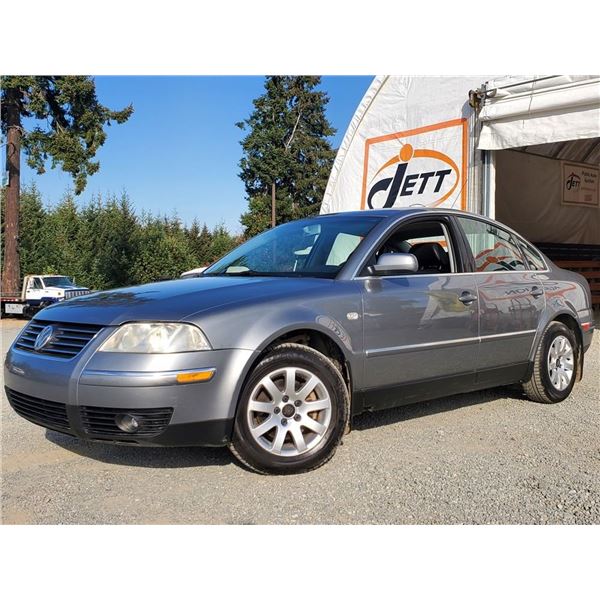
488	163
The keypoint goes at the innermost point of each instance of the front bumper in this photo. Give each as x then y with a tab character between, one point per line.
83	396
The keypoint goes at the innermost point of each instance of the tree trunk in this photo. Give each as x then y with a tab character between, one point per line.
273	216
11	275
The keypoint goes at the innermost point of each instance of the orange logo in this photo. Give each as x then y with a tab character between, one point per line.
423	176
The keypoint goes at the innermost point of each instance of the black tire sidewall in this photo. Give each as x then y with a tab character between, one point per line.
258	457
550	335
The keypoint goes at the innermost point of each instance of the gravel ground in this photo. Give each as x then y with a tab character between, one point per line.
485	457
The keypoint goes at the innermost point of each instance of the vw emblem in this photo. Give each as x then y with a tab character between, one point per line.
44	338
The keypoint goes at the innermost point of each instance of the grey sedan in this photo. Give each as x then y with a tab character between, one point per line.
274	348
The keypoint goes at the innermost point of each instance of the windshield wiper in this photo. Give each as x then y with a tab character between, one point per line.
248	273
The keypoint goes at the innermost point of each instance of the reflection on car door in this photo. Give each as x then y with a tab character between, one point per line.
510	297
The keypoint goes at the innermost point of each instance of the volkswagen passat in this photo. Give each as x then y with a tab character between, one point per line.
276	346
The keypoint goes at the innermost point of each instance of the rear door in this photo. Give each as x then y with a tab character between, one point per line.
420	329
510	296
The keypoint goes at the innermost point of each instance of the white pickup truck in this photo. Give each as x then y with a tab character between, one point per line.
39	291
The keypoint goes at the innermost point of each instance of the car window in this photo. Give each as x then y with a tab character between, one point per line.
493	248
343	246
315	247
428	241
536	262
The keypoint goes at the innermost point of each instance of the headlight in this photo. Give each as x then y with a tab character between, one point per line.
156	338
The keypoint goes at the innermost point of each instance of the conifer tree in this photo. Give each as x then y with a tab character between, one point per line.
68	129
287	154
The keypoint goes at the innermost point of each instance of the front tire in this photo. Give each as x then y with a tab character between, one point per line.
554	366
292	413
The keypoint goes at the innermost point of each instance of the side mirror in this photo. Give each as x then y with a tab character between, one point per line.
396	264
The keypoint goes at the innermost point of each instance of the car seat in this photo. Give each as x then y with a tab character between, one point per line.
432	257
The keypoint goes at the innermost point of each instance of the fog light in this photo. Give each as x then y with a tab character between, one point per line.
127	423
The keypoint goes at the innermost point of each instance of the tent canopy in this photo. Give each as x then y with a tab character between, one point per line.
520	111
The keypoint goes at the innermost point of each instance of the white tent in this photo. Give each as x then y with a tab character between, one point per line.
408	144
417	141
543	136
520	111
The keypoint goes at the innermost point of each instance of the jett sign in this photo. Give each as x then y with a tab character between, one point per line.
419	167
580	184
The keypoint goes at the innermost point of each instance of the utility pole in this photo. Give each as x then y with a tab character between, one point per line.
273	217
11	276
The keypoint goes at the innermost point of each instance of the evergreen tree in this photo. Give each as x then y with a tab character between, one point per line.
163	252
62	228
104	244
222	242
119	241
69	131
90	232
107	238
152	259
200	241
287	154
33	241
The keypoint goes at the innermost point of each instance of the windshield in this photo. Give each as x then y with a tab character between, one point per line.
60	281
316	247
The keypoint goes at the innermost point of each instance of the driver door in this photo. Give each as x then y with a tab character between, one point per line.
420	334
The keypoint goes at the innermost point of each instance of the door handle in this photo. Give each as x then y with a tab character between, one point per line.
467	298
536	291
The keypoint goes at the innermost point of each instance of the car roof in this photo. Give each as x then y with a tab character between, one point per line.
397	213
394	213
379	212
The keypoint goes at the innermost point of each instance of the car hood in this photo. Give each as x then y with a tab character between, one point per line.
174	300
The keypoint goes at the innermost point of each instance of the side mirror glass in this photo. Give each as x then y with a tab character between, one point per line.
395	264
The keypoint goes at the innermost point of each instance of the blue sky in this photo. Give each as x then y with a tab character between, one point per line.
179	152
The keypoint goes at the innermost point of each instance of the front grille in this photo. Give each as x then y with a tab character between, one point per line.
98	420
42	412
75	293
68	339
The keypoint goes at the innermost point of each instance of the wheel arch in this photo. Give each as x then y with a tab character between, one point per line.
307	335
572	323
569	320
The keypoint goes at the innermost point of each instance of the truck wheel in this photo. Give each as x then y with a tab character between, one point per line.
554	365
292	412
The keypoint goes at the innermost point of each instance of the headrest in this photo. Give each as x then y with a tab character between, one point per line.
431	255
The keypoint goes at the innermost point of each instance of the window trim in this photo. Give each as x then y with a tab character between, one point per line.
533	250
449	227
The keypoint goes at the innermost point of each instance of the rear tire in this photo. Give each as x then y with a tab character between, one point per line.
554	366
292	413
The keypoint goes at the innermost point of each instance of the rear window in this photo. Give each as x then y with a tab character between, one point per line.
493	249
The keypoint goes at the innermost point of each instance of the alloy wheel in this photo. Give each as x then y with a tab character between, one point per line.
561	362
289	411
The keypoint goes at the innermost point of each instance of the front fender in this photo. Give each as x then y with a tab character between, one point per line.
326	325
255	327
